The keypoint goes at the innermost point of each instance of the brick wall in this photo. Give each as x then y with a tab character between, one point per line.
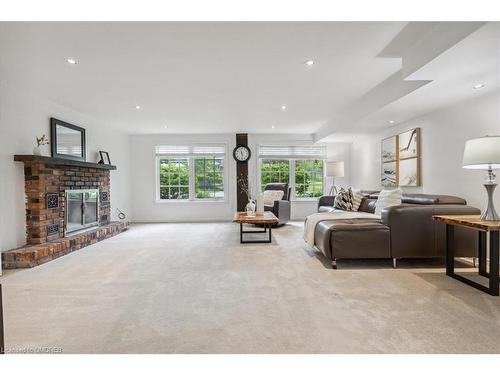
41	179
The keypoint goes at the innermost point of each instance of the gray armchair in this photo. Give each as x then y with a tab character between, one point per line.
280	208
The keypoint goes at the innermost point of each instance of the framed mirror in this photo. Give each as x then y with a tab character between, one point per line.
67	140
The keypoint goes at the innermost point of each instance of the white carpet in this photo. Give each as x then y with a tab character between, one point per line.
193	288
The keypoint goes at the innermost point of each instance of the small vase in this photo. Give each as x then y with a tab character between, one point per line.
40	150
250	208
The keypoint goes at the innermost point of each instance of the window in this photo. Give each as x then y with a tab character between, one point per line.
308	178
209	178
174	179
190	172
274	170
302	167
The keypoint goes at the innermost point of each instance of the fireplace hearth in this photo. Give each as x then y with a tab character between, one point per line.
68	206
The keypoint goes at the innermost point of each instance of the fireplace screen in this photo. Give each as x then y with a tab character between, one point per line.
82	210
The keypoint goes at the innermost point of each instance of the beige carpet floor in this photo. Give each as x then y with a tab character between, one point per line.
193	288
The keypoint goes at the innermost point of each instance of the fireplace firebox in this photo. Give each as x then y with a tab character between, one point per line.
82	210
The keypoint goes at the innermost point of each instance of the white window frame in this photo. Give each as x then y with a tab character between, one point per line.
291	171
190	158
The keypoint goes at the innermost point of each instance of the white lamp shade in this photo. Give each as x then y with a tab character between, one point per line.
482	153
335	169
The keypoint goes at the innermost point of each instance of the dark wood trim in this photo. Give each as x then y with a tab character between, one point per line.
241	174
53	140
59	161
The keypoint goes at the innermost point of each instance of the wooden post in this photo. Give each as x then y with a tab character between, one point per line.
241	175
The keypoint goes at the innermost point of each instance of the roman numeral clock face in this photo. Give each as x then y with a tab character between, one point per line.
241	153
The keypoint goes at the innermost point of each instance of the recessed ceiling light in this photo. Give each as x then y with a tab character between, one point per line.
71	61
137	107
391	121
478	86
165	126
309	62
283	107
272	126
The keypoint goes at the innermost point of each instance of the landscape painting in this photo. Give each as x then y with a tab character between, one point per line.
408	172
389	176
409	144
389	149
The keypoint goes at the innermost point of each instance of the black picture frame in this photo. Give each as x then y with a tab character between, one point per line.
104	158
53	140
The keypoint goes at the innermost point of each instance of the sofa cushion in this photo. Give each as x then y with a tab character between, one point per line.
270	196
388	198
357	197
343	200
326	209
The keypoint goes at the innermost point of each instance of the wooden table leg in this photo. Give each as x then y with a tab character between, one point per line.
482	253
494	259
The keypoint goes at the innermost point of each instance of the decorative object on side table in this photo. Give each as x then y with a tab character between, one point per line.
245	186
334	169
41	142
484	153
104	155
68	141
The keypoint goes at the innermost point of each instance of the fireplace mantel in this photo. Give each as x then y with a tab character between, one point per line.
59	161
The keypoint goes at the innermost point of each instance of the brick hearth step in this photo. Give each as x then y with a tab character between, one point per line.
34	255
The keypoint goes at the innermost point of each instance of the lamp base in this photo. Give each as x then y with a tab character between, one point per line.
490	214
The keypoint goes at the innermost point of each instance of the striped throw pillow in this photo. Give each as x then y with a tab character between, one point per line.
357	196
343	200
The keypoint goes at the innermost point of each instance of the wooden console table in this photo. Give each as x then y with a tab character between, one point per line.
483	227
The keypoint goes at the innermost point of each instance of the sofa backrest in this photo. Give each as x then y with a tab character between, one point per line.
425	198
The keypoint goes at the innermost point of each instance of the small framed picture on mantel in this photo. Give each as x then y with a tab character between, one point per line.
104	158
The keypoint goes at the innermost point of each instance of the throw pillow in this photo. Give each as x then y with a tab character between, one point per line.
272	195
343	200
357	196
388	198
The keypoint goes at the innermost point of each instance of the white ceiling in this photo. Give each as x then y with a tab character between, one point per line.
208	77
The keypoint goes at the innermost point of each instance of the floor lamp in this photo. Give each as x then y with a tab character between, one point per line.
334	169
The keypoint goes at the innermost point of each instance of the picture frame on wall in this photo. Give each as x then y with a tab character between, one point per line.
409	144
389	149
389	177
409	172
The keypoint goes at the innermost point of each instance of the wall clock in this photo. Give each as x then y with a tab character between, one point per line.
241	153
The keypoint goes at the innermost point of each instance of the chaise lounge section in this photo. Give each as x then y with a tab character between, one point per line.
403	231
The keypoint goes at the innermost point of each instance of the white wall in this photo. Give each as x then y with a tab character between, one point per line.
143	184
22	118
443	136
146	209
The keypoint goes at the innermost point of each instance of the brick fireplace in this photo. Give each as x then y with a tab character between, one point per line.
47	183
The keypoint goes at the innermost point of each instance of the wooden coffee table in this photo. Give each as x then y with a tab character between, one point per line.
267	219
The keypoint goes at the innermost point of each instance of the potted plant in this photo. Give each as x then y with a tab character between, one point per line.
42	143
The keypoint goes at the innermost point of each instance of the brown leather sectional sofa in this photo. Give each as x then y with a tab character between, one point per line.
404	231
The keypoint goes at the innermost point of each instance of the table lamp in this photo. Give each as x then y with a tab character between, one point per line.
334	169
484	153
